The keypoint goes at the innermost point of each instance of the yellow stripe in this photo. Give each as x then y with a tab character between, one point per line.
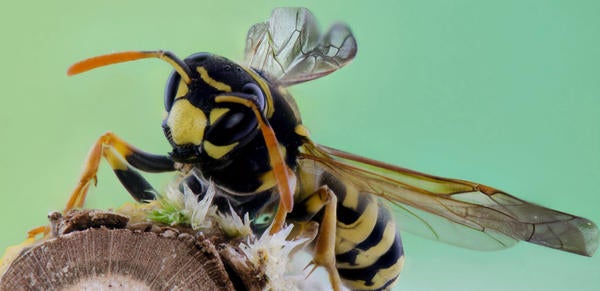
381	277
182	89
173	61
216	152
370	256
308	174
266	90
384	275
216	113
314	203
268	179
267	182
301	130
351	198
212	82
349	235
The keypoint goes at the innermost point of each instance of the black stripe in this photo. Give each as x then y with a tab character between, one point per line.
344	214
300	212
334	185
374	238
367	273
347	215
383	218
348	257
389	282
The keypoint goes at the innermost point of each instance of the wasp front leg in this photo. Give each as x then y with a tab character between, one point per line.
324	251
122	158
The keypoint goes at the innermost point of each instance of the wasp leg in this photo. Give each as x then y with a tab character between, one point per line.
38	230
324	251
123	158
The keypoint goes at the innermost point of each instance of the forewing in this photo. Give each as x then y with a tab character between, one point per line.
290	49
456	211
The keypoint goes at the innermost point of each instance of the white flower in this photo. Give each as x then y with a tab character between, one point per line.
233	225
274	253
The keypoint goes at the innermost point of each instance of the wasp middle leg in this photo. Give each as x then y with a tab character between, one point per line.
323	201
123	159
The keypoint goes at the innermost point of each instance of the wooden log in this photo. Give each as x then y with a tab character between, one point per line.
96	250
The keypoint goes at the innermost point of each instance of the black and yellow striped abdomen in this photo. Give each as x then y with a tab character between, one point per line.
369	253
368	248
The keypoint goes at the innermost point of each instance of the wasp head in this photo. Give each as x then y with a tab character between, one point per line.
197	124
212	103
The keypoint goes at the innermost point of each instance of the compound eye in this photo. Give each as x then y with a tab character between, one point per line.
233	126
256	93
171	89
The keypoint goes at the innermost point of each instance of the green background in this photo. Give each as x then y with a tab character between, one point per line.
506	93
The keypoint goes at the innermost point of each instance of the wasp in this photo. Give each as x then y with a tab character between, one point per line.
238	127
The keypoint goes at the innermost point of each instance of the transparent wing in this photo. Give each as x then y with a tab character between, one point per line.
290	49
459	212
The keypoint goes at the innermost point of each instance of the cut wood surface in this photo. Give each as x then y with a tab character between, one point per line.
96	250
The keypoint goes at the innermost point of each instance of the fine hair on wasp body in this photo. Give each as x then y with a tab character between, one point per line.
235	125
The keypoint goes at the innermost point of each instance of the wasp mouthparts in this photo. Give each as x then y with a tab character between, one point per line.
185	154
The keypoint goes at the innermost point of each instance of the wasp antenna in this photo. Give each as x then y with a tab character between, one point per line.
115	58
286	181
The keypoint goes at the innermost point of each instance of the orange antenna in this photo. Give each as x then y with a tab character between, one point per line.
105	60
286	181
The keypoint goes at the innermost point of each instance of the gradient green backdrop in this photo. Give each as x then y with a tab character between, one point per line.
506	93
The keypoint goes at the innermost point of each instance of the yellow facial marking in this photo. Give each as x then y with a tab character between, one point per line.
301	130
182	89
187	123
217	152
212	82
216	113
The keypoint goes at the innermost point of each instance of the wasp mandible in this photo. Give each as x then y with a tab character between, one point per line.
238	127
